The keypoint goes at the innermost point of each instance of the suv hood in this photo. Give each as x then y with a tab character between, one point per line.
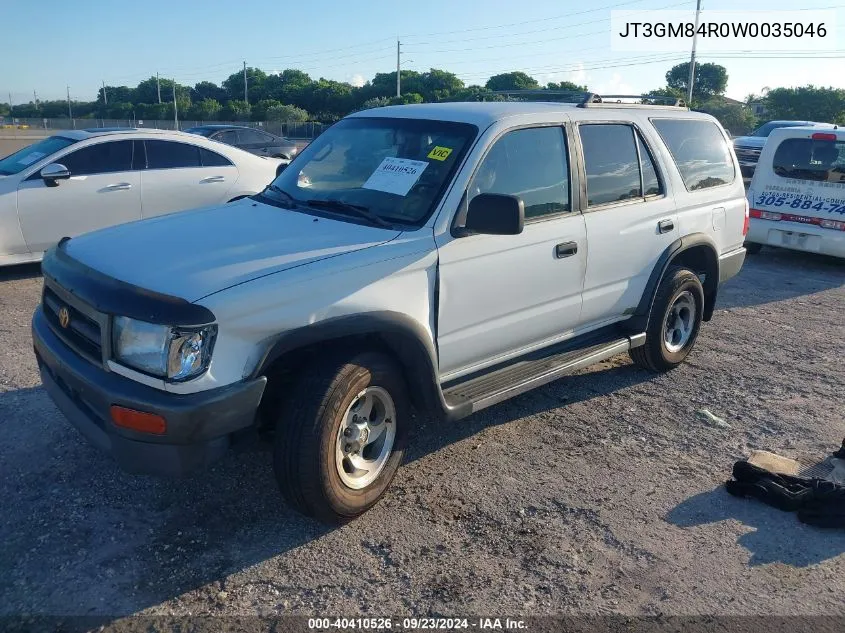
750	141
192	254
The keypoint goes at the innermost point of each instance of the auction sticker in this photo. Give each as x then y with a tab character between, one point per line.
439	153
395	175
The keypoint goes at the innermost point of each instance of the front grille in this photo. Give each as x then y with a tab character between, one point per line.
751	154
82	333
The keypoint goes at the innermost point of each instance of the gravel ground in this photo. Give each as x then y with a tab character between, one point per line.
598	494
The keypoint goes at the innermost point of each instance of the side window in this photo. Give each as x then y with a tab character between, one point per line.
252	136
651	183
699	150
213	159
171	155
611	162
227	136
102	158
530	163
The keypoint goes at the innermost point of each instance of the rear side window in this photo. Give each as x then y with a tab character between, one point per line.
227	136
618	164
254	136
102	158
811	159
171	155
699	150
213	159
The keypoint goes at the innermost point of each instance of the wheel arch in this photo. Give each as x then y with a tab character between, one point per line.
395	334
696	251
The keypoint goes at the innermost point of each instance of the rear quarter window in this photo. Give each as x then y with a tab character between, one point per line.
699	150
810	159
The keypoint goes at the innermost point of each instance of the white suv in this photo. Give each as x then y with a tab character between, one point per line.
445	256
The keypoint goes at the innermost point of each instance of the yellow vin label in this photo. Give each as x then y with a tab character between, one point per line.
440	153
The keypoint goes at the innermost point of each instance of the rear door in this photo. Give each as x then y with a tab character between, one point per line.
103	189
257	142
630	218
181	176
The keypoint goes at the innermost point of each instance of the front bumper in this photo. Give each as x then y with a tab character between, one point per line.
730	264
199	426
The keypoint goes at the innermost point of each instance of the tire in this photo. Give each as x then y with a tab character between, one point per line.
752	248
681	289
309	436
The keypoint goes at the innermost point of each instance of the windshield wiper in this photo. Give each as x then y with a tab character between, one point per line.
357	209
276	189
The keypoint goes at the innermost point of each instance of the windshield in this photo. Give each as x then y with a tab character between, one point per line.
202	131
23	158
395	169
765	130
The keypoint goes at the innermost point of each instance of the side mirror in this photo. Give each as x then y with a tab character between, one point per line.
281	168
54	172
495	214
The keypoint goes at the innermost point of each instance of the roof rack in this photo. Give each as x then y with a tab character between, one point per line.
591	99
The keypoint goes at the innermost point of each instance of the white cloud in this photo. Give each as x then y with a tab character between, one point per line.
357	80
614	86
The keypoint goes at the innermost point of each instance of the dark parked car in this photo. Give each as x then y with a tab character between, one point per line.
254	141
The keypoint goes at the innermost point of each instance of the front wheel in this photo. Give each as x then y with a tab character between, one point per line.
674	322
341	436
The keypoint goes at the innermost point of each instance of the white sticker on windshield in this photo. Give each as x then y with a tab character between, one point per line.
30	158
396	175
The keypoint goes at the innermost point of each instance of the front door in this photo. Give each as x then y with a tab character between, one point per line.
103	189
501	295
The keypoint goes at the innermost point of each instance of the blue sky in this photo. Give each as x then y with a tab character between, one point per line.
82	44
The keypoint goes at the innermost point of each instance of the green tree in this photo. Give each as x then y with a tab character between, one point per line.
255	78
808	103
208	90
205	110
517	80
710	80
153	111
663	92
236	110
566	85
738	119
116	94
147	91
282	112
439	85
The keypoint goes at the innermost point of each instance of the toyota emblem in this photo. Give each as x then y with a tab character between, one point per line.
64	317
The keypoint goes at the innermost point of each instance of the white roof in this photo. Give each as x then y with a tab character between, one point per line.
80	135
485	113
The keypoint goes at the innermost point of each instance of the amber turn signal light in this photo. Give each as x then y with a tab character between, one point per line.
138	420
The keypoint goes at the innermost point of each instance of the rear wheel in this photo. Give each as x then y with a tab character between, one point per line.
674	323
341	436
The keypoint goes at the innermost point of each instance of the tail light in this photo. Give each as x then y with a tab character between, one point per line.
746	222
821	136
836	225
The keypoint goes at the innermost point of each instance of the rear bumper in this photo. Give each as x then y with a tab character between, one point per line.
199	426
798	237
730	264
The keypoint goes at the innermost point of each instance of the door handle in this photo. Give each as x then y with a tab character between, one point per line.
664	226
567	249
213	179
118	186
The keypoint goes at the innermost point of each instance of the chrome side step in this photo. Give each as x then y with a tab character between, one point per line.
480	392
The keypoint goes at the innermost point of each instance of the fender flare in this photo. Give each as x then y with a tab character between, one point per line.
406	339
711	284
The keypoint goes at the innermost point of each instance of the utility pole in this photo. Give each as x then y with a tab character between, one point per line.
105	96
692	57
158	87
398	71
246	98
69	110
175	109
35	98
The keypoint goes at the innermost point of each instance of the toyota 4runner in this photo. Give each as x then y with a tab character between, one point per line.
443	256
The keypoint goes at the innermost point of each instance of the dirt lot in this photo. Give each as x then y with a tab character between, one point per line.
597	494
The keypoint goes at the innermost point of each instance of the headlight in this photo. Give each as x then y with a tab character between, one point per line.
168	352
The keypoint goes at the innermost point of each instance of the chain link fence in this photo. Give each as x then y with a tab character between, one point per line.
305	130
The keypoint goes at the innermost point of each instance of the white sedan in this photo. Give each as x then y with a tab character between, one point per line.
81	180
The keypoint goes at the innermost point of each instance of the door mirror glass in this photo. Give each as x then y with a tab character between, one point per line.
495	214
54	172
